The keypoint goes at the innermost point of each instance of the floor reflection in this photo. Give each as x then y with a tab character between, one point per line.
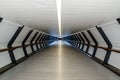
59	42
60	60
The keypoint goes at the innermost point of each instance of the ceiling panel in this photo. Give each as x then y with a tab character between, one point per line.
40	14
81	14
76	14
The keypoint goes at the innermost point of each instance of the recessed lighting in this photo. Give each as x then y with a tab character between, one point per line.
58	2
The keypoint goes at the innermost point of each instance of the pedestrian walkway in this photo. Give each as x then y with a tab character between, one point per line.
59	62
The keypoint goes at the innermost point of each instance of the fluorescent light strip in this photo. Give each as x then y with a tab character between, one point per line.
59	2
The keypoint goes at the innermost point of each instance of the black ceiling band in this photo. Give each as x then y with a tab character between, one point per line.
32	41
95	41
79	41
1	19
41	40
74	40
88	42
44	41
83	44
37	41
118	20
24	41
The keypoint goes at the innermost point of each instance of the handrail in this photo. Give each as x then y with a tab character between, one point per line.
105	48
13	48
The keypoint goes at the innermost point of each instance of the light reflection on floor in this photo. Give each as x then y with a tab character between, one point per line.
60	60
59	42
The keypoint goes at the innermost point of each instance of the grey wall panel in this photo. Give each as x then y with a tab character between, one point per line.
36	37
4	59
90	51
29	50
115	59
39	46
112	30
35	48
21	36
18	53
100	54
31	36
88	36
7	30
98	37
85	47
83	37
81	46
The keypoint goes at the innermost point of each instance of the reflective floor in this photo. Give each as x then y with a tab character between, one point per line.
59	62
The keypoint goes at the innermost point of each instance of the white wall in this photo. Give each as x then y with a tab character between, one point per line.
100	52
90	50
34	46
85	46
18	53
112	30
89	38
7	30
4	59
81	46
28	48
21	36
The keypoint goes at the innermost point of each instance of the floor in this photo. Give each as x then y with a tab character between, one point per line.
59	62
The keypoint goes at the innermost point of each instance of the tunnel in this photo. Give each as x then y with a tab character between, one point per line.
59	40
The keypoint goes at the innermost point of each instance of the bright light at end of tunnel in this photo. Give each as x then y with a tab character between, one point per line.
59	3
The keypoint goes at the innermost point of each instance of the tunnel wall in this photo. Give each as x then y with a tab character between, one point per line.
18	42
101	43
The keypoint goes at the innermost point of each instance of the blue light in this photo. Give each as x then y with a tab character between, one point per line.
58	42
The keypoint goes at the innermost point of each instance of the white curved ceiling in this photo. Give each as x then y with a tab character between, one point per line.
81	14
76	14
40	14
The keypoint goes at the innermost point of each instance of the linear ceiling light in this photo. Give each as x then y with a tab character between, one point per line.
59	2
